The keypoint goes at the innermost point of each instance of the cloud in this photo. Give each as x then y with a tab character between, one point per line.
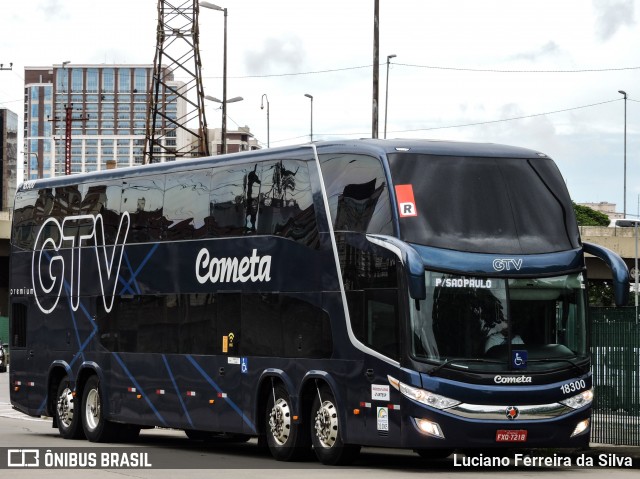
611	15
277	54
52	9
550	48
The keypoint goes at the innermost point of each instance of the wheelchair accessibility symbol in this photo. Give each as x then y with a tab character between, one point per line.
244	365
519	359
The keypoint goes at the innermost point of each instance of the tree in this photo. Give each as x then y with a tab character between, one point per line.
589	217
601	293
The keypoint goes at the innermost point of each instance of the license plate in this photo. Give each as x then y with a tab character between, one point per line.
509	435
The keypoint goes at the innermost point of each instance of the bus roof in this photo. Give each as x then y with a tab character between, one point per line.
433	147
375	147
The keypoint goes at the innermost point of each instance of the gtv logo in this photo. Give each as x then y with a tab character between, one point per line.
48	265
500	264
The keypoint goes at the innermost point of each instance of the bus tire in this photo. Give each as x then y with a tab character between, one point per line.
96	427
326	432
286	438
68	414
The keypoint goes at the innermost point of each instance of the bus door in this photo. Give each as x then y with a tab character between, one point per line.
375	320
22	365
382	334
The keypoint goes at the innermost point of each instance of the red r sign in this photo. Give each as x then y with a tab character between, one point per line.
406	201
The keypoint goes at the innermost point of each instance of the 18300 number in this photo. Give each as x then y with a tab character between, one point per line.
573	387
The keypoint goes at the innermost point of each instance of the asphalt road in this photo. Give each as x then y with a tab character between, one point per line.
170	453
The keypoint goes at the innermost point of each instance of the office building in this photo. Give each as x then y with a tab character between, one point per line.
8	157
107	117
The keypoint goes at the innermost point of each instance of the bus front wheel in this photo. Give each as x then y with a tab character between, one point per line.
68	415
286	438
326	435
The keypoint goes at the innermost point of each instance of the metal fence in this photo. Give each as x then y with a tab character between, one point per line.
4	330
615	349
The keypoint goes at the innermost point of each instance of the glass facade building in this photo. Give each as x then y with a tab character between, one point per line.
108	109
8	157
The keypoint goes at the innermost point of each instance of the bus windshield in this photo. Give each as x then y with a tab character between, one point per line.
475	318
485	205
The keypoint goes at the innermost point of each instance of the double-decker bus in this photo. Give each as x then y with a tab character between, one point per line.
415	294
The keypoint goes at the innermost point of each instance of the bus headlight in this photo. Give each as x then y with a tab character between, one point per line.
429	428
579	400
422	396
581	427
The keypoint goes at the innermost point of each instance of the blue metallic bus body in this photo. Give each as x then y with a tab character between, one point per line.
226	392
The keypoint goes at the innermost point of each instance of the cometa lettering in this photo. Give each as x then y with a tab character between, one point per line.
252	268
512	379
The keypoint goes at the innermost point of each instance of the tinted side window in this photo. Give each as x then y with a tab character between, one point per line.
286	203
231	190
143	198
371	284
18	325
186	204
198	331
280	325
358	193
66	202
104	199
23	218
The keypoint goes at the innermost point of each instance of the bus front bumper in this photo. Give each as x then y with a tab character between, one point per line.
427	428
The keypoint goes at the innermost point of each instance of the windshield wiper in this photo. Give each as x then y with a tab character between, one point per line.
458	360
551	360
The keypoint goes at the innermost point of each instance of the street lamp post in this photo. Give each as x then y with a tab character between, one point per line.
629	224
624	94
224	73
386	96
266	98
376	68
37	164
224	112
68	117
310	97
28	164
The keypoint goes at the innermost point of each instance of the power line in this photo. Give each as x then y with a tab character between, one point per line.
522	117
497	70
510	119
12	101
333	70
436	67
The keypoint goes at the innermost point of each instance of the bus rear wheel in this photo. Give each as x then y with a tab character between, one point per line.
96	427
68	415
326	434
286	439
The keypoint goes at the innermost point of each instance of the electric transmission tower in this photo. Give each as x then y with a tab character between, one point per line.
176	132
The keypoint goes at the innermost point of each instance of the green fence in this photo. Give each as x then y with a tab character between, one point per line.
615	349
4	330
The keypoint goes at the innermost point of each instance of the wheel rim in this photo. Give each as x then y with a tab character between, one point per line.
66	408
280	421
326	424
92	409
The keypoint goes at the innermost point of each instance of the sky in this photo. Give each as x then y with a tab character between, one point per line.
541	74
